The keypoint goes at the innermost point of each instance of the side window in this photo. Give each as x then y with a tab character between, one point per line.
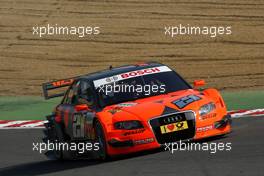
72	94
86	95
68	96
75	96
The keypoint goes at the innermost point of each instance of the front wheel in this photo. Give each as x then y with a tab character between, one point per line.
100	138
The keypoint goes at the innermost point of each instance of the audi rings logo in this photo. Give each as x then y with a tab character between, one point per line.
172	119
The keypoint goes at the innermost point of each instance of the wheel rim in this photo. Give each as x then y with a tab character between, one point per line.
101	141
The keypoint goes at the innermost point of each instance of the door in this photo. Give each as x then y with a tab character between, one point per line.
78	122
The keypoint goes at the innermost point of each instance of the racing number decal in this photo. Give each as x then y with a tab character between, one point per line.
184	101
78	125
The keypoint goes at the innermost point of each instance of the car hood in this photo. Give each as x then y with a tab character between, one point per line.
147	108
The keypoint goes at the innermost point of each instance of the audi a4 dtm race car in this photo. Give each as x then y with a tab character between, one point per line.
129	109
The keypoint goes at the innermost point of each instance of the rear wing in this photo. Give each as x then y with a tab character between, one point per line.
56	85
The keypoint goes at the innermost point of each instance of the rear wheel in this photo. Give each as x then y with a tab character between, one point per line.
54	134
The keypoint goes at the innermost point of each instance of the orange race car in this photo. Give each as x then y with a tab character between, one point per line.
129	109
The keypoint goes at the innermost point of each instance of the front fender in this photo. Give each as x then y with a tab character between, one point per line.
215	96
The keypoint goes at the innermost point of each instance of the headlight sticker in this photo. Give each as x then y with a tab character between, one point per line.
206	109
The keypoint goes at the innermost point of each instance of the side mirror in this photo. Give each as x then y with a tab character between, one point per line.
198	83
82	107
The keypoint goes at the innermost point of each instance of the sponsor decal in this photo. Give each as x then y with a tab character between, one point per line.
143	141
111	79
115	110
173	127
208	116
184	101
127	75
204	128
140	72
126	104
133	132
62	83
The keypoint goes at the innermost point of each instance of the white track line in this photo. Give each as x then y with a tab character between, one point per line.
21	128
33	125
12	123
249	112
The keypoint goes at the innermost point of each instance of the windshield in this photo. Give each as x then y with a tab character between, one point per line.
140	87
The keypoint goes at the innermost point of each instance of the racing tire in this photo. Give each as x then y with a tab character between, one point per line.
54	134
100	138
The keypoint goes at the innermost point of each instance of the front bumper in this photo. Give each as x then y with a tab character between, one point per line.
119	147
147	139
117	143
223	122
219	127
151	136
129	143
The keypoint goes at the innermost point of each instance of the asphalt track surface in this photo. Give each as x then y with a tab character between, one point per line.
246	157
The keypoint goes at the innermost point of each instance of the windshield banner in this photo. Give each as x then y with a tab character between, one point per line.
127	75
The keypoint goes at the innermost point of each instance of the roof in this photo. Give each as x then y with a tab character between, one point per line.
118	70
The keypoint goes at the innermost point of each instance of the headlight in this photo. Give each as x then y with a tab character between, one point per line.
205	109
128	125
